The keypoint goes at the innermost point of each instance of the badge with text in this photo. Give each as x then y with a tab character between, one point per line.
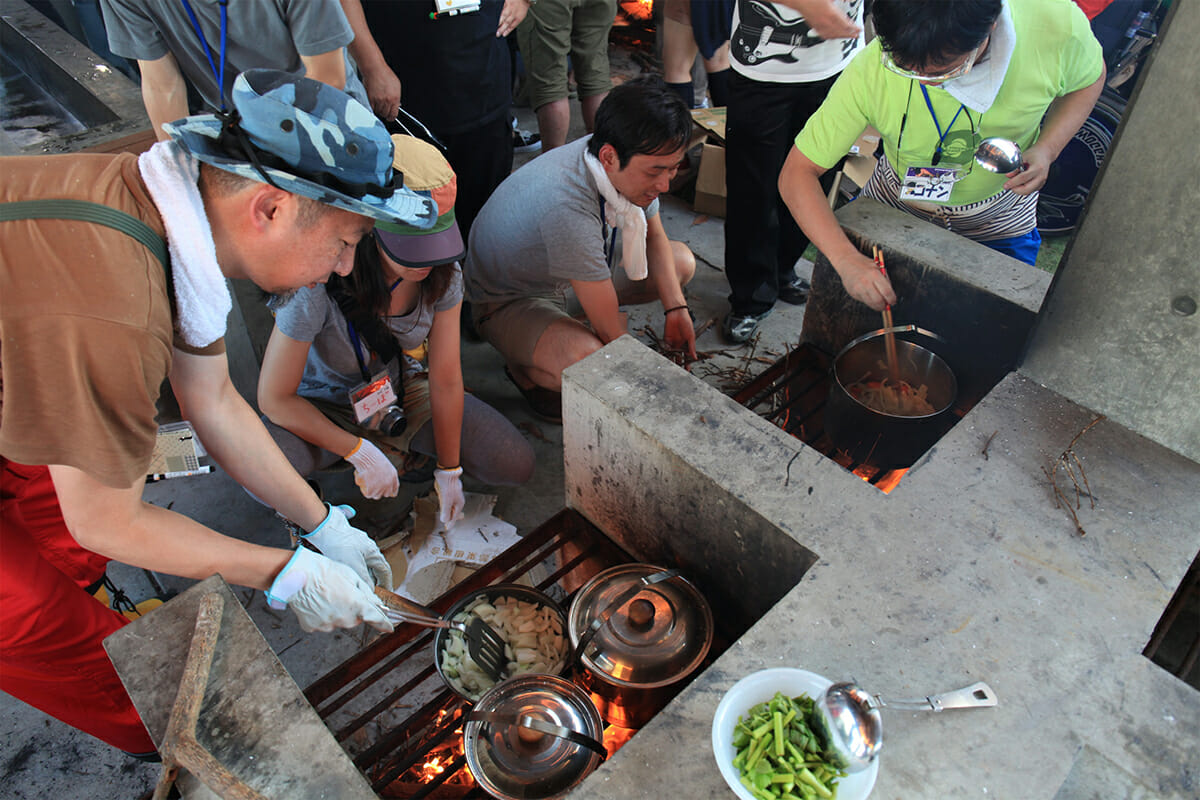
369	398
930	184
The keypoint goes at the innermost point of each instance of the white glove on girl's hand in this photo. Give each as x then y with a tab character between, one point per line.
325	594
450	494
336	538
374	474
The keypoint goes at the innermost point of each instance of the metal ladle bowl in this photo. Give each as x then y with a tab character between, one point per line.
848	722
999	155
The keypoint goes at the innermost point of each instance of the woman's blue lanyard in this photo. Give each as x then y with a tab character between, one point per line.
611	244
219	75
356	342
937	152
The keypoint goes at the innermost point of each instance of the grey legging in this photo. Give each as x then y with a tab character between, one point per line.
492	450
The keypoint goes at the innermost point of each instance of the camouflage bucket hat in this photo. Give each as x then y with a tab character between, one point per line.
308	138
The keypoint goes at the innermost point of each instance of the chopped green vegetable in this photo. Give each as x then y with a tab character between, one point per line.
777	753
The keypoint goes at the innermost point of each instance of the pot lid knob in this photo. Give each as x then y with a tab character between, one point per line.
641	614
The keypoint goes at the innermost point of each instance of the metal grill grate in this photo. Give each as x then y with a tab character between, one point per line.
791	394
395	676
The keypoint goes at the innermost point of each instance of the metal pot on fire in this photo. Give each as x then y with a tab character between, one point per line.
637	631
879	438
533	737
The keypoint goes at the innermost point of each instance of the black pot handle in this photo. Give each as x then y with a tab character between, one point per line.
540	725
606	613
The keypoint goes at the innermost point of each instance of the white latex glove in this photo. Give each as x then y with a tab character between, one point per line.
336	538
448	483
374	474
325	594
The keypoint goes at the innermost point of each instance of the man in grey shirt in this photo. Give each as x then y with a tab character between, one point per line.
583	217
300	37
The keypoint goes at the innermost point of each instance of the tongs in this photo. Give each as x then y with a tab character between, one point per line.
485	646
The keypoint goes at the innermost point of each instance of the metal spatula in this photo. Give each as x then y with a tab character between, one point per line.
485	646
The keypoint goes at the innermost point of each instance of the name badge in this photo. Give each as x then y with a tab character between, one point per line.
369	398
930	184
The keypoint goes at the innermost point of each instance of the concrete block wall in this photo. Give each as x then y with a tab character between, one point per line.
673	470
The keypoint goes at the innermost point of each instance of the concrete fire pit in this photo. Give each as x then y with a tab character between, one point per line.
966	571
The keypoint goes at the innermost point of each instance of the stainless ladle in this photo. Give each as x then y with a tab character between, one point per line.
999	155
848	722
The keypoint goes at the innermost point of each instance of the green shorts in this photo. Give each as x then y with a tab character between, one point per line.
554	29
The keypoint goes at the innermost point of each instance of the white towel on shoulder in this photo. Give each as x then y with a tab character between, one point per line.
201	294
625	215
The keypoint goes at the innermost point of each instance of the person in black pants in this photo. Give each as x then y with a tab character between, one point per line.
778	81
451	72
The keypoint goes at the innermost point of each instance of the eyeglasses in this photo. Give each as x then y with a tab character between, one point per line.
885	58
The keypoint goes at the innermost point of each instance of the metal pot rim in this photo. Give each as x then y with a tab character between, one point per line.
897	329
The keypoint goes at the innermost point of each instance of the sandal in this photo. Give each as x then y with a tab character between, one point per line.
544	403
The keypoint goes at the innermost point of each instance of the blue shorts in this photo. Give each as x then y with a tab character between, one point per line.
1023	248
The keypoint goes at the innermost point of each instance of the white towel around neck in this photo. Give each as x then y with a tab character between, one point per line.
202	296
977	89
624	215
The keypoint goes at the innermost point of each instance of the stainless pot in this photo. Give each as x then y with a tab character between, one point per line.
889	441
491	593
533	737
637	630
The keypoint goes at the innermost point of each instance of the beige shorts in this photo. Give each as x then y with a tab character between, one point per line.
514	327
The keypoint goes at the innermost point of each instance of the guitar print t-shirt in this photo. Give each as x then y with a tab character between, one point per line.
773	43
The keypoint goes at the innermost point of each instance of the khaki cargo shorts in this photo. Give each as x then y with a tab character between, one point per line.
554	29
514	327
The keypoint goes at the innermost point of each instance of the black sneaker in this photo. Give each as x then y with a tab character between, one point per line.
794	290
524	141
740	328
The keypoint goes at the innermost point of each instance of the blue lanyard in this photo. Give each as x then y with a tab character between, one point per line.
356	343
937	152
611	245
219	75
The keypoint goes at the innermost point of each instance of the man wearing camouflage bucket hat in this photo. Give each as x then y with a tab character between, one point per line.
96	310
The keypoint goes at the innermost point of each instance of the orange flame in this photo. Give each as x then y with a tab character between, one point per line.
615	738
639	9
885	484
440	760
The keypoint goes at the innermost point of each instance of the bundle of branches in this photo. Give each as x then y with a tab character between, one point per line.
1069	464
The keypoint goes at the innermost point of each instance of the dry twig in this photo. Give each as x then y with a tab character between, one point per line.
988	444
1068	461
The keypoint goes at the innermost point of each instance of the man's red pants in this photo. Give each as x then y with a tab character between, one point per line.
51	630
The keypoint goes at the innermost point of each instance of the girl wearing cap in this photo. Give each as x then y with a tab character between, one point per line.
325	379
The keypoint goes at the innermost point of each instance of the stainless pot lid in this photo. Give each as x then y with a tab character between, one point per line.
509	759
658	630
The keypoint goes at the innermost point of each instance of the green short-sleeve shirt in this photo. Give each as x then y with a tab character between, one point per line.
1055	54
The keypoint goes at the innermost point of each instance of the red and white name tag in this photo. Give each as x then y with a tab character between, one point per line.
369	398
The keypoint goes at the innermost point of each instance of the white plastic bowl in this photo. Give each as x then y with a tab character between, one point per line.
759	687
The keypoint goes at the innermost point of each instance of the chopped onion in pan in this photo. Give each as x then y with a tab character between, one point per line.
534	639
